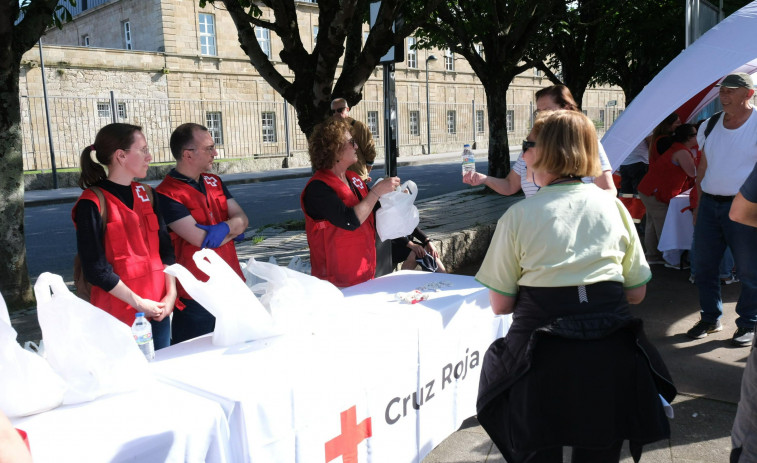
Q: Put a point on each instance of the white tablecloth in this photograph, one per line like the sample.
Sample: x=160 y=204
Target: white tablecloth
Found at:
x=159 y=423
x=405 y=375
x=678 y=231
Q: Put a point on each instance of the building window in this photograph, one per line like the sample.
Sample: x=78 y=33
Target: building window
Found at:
x=480 y=120
x=315 y=36
x=537 y=72
x=264 y=40
x=412 y=53
x=268 y=126
x=451 y=122
x=121 y=110
x=479 y=49
x=85 y=40
x=415 y=118
x=510 y=120
x=601 y=118
x=373 y=125
x=127 y=35
x=449 y=60
x=207 y=34
x=215 y=127
x=103 y=109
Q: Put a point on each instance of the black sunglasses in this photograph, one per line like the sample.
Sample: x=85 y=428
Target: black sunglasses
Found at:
x=528 y=144
x=339 y=110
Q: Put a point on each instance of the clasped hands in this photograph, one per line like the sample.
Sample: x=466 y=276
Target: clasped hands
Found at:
x=215 y=234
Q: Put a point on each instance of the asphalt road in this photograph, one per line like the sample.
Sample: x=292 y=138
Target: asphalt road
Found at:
x=51 y=243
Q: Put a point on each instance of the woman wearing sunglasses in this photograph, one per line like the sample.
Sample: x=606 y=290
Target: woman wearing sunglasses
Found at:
x=339 y=208
x=575 y=368
x=551 y=98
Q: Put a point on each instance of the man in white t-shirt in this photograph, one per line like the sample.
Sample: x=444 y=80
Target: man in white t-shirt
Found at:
x=729 y=153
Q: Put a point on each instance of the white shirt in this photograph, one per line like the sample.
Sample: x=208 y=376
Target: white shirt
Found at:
x=731 y=155
x=529 y=188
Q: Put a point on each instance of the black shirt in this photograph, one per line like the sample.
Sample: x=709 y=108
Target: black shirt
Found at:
x=322 y=203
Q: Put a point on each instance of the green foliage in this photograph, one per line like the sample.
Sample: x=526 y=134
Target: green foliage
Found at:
x=645 y=37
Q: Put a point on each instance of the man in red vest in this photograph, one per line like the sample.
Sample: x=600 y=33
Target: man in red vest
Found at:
x=200 y=213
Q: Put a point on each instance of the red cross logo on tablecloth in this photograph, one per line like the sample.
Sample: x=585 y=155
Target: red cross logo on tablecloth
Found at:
x=352 y=434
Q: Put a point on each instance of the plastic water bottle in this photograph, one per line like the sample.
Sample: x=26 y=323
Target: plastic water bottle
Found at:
x=142 y=331
x=469 y=162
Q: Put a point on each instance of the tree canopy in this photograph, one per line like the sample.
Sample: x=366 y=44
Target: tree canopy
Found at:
x=503 y=31
x=339 y=42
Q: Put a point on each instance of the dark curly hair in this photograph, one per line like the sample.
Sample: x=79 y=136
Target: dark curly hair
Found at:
x=325 y=142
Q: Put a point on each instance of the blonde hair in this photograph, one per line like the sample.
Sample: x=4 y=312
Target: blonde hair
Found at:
x=568 y=146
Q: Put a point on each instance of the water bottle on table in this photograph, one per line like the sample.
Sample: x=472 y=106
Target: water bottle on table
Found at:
x=142 y=331
x=469 y=161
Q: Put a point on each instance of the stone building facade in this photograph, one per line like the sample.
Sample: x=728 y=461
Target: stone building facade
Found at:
x=158 y=63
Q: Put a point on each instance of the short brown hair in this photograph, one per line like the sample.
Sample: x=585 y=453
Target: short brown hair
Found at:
x=183 y=136
x=561 y=95
x=325 y=142
x=568 y=146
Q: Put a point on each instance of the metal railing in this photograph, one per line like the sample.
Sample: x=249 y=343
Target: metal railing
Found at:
x=255 y=129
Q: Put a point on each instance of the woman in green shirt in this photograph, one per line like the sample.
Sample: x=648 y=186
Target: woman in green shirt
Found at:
x=575 y=368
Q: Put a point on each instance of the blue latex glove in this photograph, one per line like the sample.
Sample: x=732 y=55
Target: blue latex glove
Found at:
x=215 y=234
x=239 y=238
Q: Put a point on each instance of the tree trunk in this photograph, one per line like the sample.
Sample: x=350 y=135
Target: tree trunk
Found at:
x=499 y=149
x=14 y=275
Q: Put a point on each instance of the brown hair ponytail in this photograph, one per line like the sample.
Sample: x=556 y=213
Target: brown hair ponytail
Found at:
x=110 y=138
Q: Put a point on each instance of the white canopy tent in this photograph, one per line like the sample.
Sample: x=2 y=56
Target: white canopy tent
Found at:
x=731 y=46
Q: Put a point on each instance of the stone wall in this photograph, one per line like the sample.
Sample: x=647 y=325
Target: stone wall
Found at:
x=169 y=82
x=104 y=25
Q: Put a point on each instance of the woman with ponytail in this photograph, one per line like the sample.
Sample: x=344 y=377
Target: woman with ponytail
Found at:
x=124 y=257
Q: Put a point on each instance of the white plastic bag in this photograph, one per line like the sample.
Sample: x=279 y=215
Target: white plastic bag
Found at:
x=295 y=300
x=94 y=352
x=240 y=316
x=27 y=383
x=397 y=215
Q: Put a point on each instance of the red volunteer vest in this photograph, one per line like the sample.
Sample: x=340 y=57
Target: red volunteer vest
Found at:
x=132 y=248
x=343 y=257
x=208 y=209
x=664 y=179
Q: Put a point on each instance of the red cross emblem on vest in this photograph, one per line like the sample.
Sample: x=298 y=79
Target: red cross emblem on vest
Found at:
x=358 y=183
x=352 y=434
x=211 y=181
x=142 y=193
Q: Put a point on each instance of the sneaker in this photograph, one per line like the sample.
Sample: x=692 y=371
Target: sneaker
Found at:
x=703 y=328
x=730 y=280
x=743 y=337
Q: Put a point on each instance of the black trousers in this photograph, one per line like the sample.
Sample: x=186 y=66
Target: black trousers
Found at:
x=191 y=322
x=580 y=455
